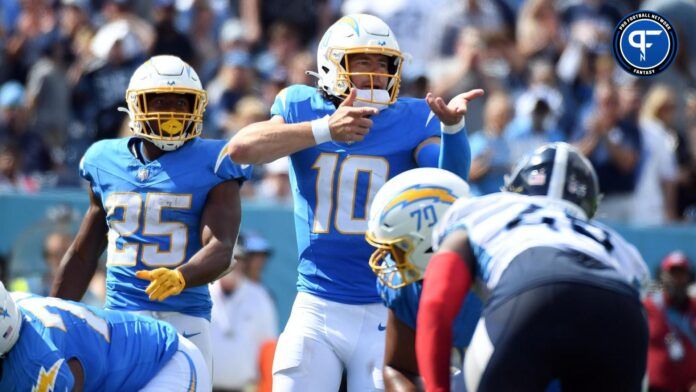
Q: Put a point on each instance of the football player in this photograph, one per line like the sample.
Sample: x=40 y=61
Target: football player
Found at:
x=164 y=203
x=345 y=139
x=50 y=344
x=561 y=290
x=401 y=219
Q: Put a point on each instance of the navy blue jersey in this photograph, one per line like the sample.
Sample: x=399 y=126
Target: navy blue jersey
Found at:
x=118 y=351
x=153 y=213
x=333 y=186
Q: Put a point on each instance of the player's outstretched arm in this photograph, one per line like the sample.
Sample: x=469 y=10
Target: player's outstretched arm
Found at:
x=80 y=261
x=400 y=369
x=447 y=281
x=454 y=153
x=219 y=228
x=266 y=141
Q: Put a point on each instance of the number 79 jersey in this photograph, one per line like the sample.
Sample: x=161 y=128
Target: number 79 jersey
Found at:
x=333 y=185
x=153 y=212
x=502 y=225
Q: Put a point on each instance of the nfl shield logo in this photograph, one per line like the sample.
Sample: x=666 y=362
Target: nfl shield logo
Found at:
x=143 y=174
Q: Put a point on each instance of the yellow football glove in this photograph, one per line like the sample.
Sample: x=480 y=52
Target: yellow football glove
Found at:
x=165 y=282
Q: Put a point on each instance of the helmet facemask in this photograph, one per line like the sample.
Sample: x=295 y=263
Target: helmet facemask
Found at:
x=391 y=261
x=375 y=96
x=168 y=130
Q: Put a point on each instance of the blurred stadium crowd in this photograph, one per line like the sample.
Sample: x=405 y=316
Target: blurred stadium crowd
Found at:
x=546 y=65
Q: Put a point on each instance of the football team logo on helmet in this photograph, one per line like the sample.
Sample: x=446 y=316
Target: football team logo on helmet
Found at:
x=402 y=216
x=560 y=172
x=644 y=43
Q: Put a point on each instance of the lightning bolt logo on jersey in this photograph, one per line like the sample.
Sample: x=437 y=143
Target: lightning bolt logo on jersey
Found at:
x=333 y=185
x=153 y=212
x=115 y=349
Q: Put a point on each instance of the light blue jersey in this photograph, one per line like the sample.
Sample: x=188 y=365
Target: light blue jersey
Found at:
x=333 y=185
x=154 y=212
x=404 y=303
x=118 y=351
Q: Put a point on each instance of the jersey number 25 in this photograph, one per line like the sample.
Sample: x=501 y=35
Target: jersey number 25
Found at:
x=123 y=250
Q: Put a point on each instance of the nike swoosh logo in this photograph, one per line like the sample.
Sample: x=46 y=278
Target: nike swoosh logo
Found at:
x=190 y=335
x=381 y=327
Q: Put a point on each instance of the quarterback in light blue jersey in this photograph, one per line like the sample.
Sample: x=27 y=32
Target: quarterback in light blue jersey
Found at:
x=345 y=139
x=402 y=218
x=165 y=204
x=50 y=344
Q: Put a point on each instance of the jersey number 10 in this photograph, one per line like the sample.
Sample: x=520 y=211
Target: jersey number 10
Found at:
x=345 y=196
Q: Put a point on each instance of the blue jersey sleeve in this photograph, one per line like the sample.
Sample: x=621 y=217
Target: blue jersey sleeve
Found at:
x=88 y=167
x=227 y=169
x=279 y=107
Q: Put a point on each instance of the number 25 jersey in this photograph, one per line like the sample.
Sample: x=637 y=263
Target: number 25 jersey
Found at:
x=333 y=185
x=502 y=225
x=153 y=212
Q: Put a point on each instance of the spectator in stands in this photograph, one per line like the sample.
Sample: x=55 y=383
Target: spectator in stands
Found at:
x=613 y=146
x=539 y=30
x=283 y=46
x=101 y=89
x=12 y=177
x=656 y=187
x=169 y=40
x=275 y=183
x=672 y=322
x=14 y=130
x=234 y=80
x=537 y=112
x=48 y=96
x=243 y=318
x=54 y=247
x=490 y=152
x=686 y=156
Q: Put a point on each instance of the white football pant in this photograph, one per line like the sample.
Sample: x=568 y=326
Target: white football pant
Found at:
x=195 y=329
x=321 y=338
x=186 y=371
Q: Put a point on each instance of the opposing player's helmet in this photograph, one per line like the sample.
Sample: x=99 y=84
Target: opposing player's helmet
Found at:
x=558 y=171
x=402 y=217
x=158 y=75
x=10 y=321
x=358 y=34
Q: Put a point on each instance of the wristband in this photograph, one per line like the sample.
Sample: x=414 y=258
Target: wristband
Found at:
x=320 y=130
x=455 y=128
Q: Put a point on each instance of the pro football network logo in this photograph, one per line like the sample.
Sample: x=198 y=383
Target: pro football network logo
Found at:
x=645 y=43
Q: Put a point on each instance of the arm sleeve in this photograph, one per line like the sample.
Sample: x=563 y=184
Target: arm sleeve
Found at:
x=453 y=153
x=447 y=280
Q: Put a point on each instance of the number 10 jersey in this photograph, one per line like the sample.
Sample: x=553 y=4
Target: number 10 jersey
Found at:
x=153 y=211
x=333 y=185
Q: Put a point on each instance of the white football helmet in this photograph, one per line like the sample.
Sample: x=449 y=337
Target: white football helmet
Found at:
x=10 y=321
x=402 y=217
x=358 y=34
x=165 y=74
